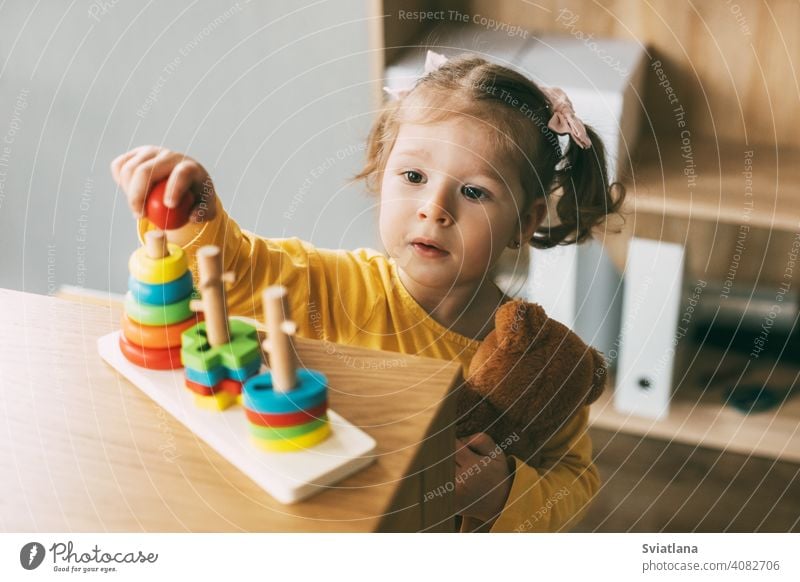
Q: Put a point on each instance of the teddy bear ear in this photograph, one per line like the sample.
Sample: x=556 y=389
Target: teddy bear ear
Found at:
x=599 y=377
x=519 y=319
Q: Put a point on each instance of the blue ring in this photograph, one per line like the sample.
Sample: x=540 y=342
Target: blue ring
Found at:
x=163 y=294
x=217 y=374
x=311 y=391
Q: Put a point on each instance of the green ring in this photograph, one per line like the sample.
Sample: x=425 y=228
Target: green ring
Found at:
x=286 y=432
x=157 y=314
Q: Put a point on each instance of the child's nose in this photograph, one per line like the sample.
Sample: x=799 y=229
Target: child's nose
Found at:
x=435 y=207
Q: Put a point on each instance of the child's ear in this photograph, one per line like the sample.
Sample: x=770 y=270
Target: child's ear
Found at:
x=531 y=220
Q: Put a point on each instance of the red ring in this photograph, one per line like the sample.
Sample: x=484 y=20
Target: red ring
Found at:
x=229 y=385
x=152 y=359
x=287 y=419
x=163 y=217
x=200 y=389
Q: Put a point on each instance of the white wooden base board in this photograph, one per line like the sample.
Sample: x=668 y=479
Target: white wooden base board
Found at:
x=289 y=477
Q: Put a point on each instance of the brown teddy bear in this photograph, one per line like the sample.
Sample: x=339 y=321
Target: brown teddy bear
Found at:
x=530 y=375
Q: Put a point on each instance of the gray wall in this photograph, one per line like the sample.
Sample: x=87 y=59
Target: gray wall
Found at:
x=273 y=98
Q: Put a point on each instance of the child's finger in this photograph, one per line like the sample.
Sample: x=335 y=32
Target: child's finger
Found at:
x=118 y=162
x=462 y=462
x=146 y=175
x=481 y=443
x=185 y=173
x=461 y=445
x=142 y=154
x=465 y=457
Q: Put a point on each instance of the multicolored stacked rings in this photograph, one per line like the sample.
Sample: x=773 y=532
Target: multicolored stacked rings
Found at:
x=215 y=374
x=157 y=308
x=287 y=421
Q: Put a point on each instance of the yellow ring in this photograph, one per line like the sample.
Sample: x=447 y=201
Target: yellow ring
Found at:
x=299 y=443
x=158 y=271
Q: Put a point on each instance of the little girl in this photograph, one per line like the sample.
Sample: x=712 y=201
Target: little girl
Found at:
x=464 y=164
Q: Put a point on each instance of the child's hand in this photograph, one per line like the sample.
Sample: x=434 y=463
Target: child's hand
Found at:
x=138 y=170
x=483 y=478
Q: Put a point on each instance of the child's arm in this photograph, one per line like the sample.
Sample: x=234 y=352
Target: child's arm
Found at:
x=553 y=497
x=255 y=261
x=500 y=493
x=330 y=292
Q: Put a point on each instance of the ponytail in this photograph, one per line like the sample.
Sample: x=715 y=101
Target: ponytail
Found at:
x=584 y=195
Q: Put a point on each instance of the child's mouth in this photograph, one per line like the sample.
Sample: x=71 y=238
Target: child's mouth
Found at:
x=428 y=251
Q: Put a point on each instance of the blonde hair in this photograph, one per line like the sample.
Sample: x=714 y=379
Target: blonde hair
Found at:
x=517 y=109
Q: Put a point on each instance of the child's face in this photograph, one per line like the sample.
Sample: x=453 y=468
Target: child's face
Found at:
x=444 y=182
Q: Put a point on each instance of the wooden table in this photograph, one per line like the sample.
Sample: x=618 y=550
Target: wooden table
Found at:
x=84 y=450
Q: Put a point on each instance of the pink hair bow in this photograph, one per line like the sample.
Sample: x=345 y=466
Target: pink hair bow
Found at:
x=433 y=61
x=564 y=120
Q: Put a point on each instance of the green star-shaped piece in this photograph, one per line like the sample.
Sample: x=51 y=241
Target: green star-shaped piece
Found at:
x=243 y=348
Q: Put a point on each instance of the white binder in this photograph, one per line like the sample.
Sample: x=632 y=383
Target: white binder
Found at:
x=649 y=339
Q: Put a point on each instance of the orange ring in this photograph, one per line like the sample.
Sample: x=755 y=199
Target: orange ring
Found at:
x=157 y=337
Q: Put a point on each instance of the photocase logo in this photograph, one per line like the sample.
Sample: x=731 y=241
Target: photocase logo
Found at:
x=31 y=555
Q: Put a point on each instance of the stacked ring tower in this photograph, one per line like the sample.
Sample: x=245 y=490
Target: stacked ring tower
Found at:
x=218 y=354
x=157 y=305
x=286 y=407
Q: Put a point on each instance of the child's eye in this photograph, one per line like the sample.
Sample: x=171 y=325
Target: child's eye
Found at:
x=474 y=193
x=413 y=177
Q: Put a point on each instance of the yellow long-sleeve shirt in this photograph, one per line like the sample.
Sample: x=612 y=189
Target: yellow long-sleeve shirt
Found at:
x=355 y=297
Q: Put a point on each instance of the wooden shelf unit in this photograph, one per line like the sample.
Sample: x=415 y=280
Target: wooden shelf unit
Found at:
x=719 y=193
x=706 y=218
x=700 y=417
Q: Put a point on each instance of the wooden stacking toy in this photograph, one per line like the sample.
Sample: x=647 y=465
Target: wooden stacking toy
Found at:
x=219 y=354
x=284 y=437
x=287 y=407
x=157 y=305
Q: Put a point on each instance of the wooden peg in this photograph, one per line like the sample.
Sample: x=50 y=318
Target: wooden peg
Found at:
x=155 y=244
x=212 y=295
x=279 y=344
